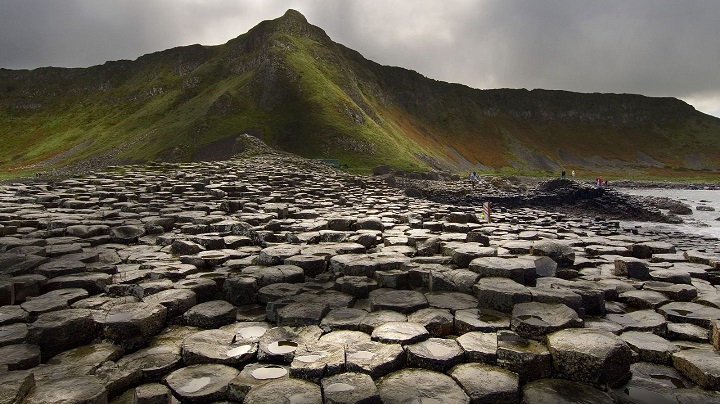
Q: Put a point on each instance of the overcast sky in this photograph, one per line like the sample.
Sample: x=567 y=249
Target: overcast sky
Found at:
x=651 y=47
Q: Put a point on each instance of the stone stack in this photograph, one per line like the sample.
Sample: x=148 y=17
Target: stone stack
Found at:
x=273 y=277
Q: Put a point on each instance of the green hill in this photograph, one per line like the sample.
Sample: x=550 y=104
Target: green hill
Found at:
x=288 y=83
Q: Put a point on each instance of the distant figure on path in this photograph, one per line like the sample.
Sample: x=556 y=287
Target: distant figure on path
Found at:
x=563 y=174
x=572 y=174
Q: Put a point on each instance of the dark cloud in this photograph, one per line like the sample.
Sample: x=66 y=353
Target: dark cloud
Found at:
x=652 y=47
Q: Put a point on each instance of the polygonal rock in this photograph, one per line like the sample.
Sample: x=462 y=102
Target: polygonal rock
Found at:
x=518 y=269
x=479 y=346
x=693 y=313
x=358 y=286
x=485 y=320
x=13 y=314
x=94 y=283
x=201 y=383
x=643 y=299
x=177 y=301
x=558 y=391
x=278 y=391
x=632 y=268
x=529 y=359
x=650 y=347
x=460 y=280
x=648 y=249
x=133 y=324
x=126 y=234
x=563 y=296
x=279 y=344
x=84 y=389
x=151 y=393
x=19 y=356
x=366 y=264
x=302 y=313
x=345 y=337
x=486 y=383
x=451 y=300
x=404 y=301
x=212 y=314
x=14 y=386
x=217 y=346
x=562 y=254
x=374 y=358
x=675 y=292
x=13 y=333
x=500 y=294
x=437 y=322
x=277 y=254
x=590 y=356
x=640 y=320
x=377 y=318
x=434 y=354
x=350 y=388
x=313 y=362
x=400 y=333
x=699 y=365
x=152 y=363
x=416 y=385
x=57 y=331
x=240 y=290
x=275 y=274
x=467 y=252
x=312 y=265
x=254 y=375
x=344 y=318
x=534 y=320
x=687 y=332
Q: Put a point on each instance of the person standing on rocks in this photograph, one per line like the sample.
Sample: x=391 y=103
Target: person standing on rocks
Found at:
x=572 y=174
x=562 y=175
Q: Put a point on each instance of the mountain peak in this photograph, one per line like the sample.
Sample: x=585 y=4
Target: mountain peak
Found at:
x=294 y=15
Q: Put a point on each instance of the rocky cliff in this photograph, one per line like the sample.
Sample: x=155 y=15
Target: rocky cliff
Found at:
x=288 y=83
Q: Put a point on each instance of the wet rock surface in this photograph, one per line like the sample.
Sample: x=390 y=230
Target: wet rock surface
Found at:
x=276 y=277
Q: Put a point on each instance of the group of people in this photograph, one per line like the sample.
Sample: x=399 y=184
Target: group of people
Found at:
x=599 y=181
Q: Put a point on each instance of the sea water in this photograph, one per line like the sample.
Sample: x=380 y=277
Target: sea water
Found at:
x=700 y=222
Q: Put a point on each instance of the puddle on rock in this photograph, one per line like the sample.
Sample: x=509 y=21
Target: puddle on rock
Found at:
x=239 y=350
x=677 y=383
x=269 y=372
x=339 y=388
x=681 y=312
x=532 y=319
x=642 y=395
x=282 y=347
x=252 y=332
x=309 y=358
x=361 y=355
x=196 y=384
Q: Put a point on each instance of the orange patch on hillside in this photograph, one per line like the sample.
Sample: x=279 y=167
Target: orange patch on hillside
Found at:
x=477 y=147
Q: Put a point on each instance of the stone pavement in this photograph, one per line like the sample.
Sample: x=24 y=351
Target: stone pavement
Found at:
x=275 y=279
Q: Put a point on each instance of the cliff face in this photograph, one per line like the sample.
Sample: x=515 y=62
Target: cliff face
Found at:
x=287 y=82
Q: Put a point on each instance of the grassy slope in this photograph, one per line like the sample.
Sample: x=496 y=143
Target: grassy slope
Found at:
x=326 y=101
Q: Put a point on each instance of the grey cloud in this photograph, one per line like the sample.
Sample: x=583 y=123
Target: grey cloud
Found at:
x=652 y=47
